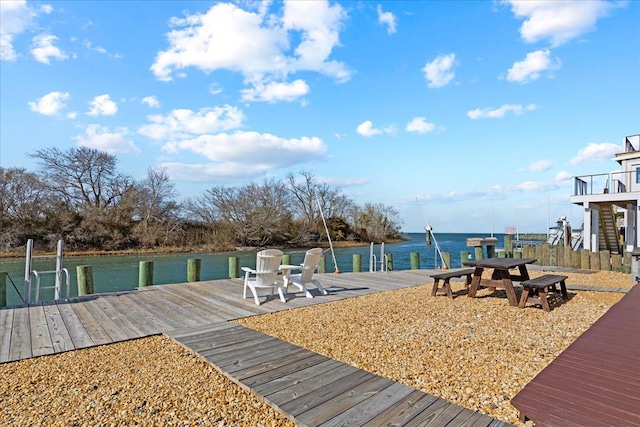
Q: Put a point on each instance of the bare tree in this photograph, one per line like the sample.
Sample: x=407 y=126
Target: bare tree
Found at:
x=156 y=209
x=257 y=214
x=84 y=177
x=378 y=221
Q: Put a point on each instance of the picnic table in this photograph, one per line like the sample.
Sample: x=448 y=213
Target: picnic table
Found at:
x=501 y=277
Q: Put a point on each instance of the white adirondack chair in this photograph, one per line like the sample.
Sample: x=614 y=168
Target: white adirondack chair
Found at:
x=308 y=267
x=264 y=275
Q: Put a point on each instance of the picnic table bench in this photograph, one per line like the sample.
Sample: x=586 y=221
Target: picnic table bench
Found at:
x=536 y=290
x=447 y=276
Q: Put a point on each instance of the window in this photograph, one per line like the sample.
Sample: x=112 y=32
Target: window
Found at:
x=638 y=175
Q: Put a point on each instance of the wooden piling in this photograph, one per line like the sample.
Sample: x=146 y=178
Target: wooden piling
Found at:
x=594 y=260
x=508 y=246
x=585 y=259
x=576 y=260
x=517 y=254
x=415 y=260
x=605 y=260
x=446 y=259
x=3 y=288
x=193 y=269
x=478 y=252
x=554 y=255
x=85 y=279
x=234 y=267
x=322 y=264
x=491 y=251
x=145 y=274
x=546 y=254
x=286 y=259
x=616 y=262
x=464 y=257
x=357 y=263
x=389 y=262
x=568 y=256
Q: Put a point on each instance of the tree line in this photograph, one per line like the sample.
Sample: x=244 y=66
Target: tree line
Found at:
x=80 y=196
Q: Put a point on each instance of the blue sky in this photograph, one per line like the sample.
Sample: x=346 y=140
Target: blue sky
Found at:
x=481 y=110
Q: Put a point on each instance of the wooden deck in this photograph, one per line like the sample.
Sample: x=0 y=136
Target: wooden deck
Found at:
x=596 y=380
x=310 y=389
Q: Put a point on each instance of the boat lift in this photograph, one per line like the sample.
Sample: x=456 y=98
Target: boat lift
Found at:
x=30 y=275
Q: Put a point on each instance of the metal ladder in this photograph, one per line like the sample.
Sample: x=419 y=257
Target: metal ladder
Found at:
x=30 y=274
x=373 y=260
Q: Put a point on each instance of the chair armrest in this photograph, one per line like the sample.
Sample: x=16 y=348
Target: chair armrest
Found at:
x=248 y=270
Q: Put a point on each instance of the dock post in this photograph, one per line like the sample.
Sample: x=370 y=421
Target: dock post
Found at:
x=605 y=260
x=415 y=260
x=594 y=260
x=616 y=263
x=464 y=257
x=322 y=264
x=357 y=263
x=585 y=259
x=446 y=260
x=478 y=252
x=234 y=267
x=389 y=262
x=491 y=251
x=508 y=246
x=145 y=274
x=3 y=288
x=193 y=269
x=286 y=260
x=85 y=280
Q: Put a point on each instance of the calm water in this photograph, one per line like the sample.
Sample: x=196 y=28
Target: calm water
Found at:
x=120 y=272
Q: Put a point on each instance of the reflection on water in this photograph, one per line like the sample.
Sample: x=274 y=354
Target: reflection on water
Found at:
x=120 y=272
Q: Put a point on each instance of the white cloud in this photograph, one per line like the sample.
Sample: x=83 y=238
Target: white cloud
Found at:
x=438 y=72
x=50 y=104
x=258 y=45
x=102 y=105
x=46 y=8
x=241 y=155
x=366 y=129
x=558 y=21
x=563 y=176
x=388 y=19
x=419 y=125
x=595 y=152
x=273 y=91
x=114 y=142
x=183 y=123
x=15 y=18
x=538 y=166
x=43 y=49
x=151 y=101
x=215 y=89
x=532 y=66
x=498 y=113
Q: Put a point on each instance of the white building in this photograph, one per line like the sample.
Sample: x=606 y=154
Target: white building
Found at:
x=611 y=202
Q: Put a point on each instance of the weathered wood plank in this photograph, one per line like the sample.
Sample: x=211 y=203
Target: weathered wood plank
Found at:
x=20 y=344
x=200 y=313
x=60 y=337
x=114 y=332
x=318 y=396
x=342 y=402
x=144 y=316
x=6 y=326
x=276 y=380
x=78 y=333
x=40 y=338
x=258 y=360
x=309 y=385
x=440 y=413
x=404 y=411
x=295 y=365
x=94 y=329
x=202 y=331
x=362 y=412
x=112 y=307
x=230 y=345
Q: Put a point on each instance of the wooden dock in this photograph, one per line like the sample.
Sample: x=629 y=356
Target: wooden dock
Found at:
x=596 y=380
x=308 y=388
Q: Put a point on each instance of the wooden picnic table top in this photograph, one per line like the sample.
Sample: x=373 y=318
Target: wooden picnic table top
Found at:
x=500 y=263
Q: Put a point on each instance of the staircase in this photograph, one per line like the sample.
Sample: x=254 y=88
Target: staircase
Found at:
x=608 y=237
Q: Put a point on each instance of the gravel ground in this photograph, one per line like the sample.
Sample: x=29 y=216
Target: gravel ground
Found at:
x=476 y=353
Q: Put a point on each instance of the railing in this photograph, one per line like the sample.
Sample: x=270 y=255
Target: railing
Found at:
x=614 y=182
